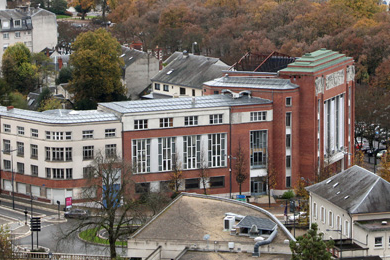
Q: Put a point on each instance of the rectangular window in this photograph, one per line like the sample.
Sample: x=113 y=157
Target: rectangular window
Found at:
x=48 y=135
x=57 y=153
x=288 y=119
x=166 y=122
x=34 y=170
x=20 y=147
x=110 y=132
x=17 y=23
x=142 y=187
x=141 y=124
x=288 y=161
x=330 y=218
x=156 y=86
x=5 y=46
x=68 y=153
x=216 y=92
x=217 y=182
x=47 y=151
x=288 y=101
x=48 y=173
x=378 y=242
x=190 y=120
x=217 y=150
x=7 y=164
x=20 y=130
x=87 y=172
x=346 y=228
x=34 y=133
x=315 y=210
x=182 y=91
x=110 y=150
x=258 y=116
x=34 y=151
x=20 y=167
x=288 y=140
x=166 y=153
x=58 y=173
x=17 y=34
x=191 y=152
x=193 y=92
x=166 y=87
x=5 y=35
x=288 y=181
x=192 y=183
x=6 y=146
x=87 y=134
x=69 y=173
x=258 y=144
x=7 y=128
x=57 y=135
x=141 y=155
x=215 y=119
x=88 y=152
x=323 y=214
x=68 y=135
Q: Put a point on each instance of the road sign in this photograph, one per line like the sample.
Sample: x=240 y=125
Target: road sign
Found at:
x=35 y=224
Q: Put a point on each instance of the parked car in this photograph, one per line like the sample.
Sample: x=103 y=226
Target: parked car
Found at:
x=371 y=152
x=297 y=216
x=381 y=153
x=77 y=213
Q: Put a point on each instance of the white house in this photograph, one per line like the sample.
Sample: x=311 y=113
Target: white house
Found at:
x=354 y=205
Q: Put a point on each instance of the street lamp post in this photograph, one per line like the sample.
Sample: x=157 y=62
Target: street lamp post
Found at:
x=341 y=238
x=12 y=174
x=193 y=47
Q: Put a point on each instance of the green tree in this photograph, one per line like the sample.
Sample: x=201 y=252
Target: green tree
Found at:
x=50 y=104
x=44 y=67
x=4 y=92
x=97 y=69
x=18 y=100
x=17 y=69
x=311 y=246
x=43 y=96
x=58 y=6
x=65 y=75
x=5 y=244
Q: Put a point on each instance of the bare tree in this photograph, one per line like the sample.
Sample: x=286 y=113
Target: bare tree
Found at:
x=176 y=175
x=240 y=166
x=109 y=187
x=271 y=180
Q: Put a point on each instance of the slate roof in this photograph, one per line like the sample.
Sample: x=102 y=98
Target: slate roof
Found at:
x=202 y=102
x=251 y=82
x=59 y=116
x=355 y=190
x=129 y=56
x=14 y=14
x=261 y=223
x=190 y=70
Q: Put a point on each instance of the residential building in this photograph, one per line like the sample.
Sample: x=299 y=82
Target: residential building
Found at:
x=36 y=28
x=184 y=74
x=313 y=114
x=352 y=205
x=49 y=152
x=139 y=68
x=196 y=226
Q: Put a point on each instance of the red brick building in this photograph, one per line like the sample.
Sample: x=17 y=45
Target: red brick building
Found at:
x=313 y=113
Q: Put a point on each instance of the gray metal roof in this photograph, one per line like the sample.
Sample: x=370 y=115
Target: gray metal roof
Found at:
x=261 y=223
x=251 y=82
x=203 y=102
x=129 y=56
x=190 y=70
x=355 y=190
x=59 y=116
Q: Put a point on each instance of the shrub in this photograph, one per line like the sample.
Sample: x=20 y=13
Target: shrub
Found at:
x=288 y=194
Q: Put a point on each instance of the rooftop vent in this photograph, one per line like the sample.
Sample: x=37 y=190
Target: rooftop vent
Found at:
x=335 y=185
x=169 y=72
x=329 y=181
x=346 y=197
x=384 y=223
x=338 y=193
x=122 y=55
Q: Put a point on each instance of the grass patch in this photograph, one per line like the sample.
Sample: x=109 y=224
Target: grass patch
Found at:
x=90 y=235
x=61 y=16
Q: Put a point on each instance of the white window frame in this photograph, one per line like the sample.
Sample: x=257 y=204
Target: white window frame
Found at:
x=34 y=151
x=323 y=214
x=191 y=151
x=5 y=35
x=330 y=218
x=216 y=119
x=110 y=150
x=258 y=146
x=87 y=134
x=19 y=25
x=7 y=128
x=34 y=133
x=191 y=120
x=258 y=116
x=20 y=130
x=140 y=124
x=288 y=101
x=88 y=152
x=34 y=170
x=217 y=150
x=346 y=228
x=17 y=34
x=166 y=153
x=166 y=122
x=111 y=132
x=141 y=155
x=378 y=245
x=315 y=210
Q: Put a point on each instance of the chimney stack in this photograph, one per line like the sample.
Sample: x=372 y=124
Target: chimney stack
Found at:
x=9 y=108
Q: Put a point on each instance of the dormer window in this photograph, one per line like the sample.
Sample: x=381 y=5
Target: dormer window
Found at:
x=5 y=24
x=17 y=23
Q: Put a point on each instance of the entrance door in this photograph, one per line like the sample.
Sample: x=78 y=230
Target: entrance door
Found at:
x=258 y=186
